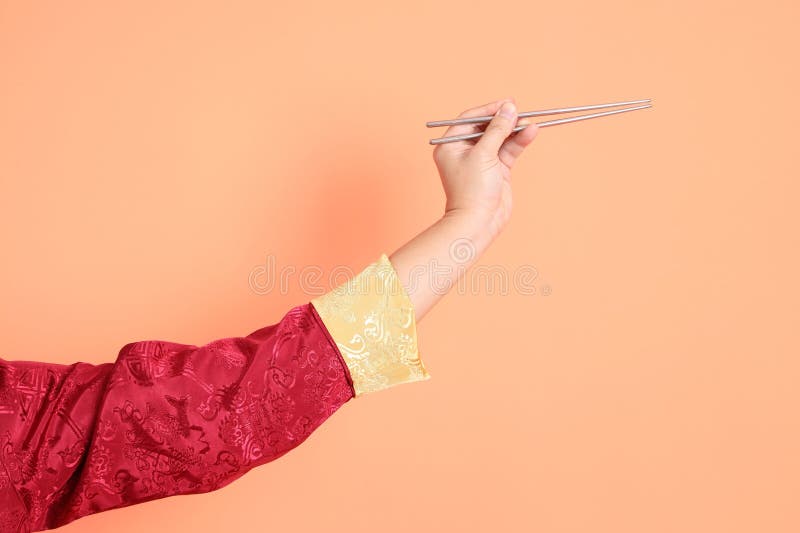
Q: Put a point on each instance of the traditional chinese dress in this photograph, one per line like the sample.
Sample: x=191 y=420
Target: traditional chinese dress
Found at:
x=167 y=419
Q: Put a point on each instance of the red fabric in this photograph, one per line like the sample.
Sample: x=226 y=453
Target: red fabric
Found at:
x=163 y=419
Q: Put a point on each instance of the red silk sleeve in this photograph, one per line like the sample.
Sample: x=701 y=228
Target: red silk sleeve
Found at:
x=164 y=419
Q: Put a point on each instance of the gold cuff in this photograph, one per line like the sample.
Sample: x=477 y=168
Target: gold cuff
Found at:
x=371 y=319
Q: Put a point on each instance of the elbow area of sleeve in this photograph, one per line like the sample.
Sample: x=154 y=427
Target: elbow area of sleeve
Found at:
x=371 y=319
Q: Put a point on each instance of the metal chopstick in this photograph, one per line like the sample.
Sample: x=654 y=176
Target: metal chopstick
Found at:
x=544 y=124
x=556 y=111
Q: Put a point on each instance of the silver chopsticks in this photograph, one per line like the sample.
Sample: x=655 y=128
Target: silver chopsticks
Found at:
x=556 y=111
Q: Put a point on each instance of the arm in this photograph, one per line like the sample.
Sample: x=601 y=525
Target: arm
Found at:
x=166 y=419
x=477 y=181
x=378 y=340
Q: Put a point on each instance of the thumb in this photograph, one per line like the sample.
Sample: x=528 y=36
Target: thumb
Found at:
x=498 y=129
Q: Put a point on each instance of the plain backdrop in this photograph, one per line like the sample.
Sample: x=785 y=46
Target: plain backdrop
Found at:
x=154 y=154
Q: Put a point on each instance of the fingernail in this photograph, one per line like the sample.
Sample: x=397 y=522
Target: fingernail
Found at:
x=508 y=110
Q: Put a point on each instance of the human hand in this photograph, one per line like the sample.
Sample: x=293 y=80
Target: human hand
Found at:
x=477 y=175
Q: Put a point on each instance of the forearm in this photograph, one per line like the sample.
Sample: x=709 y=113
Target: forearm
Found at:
x=432 y=262
x=166 y=419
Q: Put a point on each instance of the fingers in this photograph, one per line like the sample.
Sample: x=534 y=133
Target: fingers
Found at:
x=514 y=146
x=498 y=129
x=462 y=129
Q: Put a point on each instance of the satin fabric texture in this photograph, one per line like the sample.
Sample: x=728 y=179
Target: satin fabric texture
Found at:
x=168 y=419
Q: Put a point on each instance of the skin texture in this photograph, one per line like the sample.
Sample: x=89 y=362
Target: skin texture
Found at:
x=476 y=177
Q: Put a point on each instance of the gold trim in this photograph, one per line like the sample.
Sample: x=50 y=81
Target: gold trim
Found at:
x=372 y=320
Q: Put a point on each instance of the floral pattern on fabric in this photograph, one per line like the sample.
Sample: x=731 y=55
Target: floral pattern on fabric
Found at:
x=371 y=318
x=164 y=419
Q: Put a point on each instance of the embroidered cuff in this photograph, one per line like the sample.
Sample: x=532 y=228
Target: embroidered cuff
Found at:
x=371 y=319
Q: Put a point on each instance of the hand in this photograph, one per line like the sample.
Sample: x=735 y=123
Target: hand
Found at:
x=477 y=181
x=477 y=175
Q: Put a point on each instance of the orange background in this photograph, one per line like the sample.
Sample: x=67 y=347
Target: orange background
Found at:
x=152 y=155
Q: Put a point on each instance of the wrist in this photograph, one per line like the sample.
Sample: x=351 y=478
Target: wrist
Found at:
x=472 y=216
x=474 y=225
x=476 y=219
